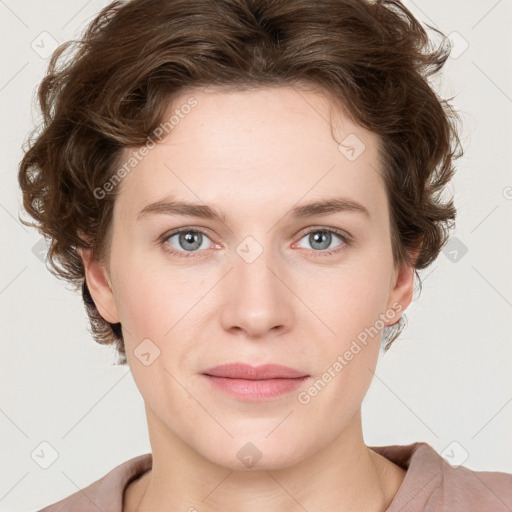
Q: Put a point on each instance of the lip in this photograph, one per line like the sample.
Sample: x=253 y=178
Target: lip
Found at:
x=248 y=372
x=255 y=383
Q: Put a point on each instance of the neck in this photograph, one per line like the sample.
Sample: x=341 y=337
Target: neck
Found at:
x=344 y=475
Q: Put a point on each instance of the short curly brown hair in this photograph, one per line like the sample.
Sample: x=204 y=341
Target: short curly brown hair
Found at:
x=373 y=58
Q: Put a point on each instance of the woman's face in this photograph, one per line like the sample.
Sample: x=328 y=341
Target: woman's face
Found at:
x=260 y=284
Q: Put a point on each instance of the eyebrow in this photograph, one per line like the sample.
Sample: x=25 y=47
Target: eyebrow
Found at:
x=310 y=209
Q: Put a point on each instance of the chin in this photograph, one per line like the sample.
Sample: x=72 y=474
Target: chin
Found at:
x=257 y=453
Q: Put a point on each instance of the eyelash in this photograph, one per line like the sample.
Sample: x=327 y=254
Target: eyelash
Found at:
x=347 y=241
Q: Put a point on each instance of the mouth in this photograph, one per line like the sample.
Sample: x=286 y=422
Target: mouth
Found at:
x=248 y=372
x=250 y=383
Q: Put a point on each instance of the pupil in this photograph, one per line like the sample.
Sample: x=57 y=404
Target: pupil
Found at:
x=319 y=236
x=191 y=238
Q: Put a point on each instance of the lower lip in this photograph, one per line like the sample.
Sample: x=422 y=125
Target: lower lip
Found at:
x=256 y=390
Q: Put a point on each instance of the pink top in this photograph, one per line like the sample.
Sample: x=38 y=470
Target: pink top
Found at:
x=430 y=484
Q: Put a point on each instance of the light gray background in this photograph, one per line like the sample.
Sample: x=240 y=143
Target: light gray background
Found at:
x=447 y=379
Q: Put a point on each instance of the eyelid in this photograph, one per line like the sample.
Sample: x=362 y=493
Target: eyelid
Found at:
x=337 y=231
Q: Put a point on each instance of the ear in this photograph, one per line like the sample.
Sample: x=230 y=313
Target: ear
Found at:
x=402 y=287
x=99 y=285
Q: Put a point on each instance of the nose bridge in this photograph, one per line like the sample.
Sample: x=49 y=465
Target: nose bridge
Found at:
x=253 y=263
x=258 y=299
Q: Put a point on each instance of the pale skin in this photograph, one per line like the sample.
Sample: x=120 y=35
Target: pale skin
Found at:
x=254 y=155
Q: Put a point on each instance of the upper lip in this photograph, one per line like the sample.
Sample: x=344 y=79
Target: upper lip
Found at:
x=246 y=371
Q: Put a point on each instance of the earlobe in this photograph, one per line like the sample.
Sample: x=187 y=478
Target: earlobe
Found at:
x=99 y=285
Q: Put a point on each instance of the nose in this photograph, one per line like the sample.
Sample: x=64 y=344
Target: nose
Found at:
x=259 y=301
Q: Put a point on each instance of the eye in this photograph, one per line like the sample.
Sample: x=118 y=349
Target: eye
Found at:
x=186 y=240
x=321 y=239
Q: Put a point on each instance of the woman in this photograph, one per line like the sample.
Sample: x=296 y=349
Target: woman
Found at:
x=245 y=191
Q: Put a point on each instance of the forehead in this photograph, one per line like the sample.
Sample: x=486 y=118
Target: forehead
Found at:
x=255 y=147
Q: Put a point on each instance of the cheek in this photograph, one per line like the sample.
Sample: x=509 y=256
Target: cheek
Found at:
x=353 y=299
x=148 y=302
x=346 y=359
x=155 y=341
x=347 y=299
x=141 y=306
x=158 y=309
